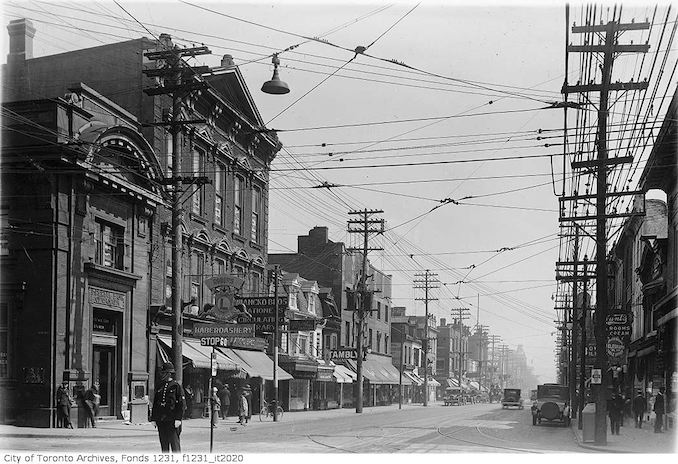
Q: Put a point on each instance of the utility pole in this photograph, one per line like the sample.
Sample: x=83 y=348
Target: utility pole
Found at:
x=573 y=327
x=480 y=331
x=494 y=339
x=178 y=82
x=363 y=301
x=462 y=313
x=276 y=343
x=582 y=349
x=504 y=354
x=428 y=283
x=609 y=49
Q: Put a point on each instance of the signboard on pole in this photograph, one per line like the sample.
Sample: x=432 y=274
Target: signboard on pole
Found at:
x=615 y=347
x=596 y=376
x=302 y=325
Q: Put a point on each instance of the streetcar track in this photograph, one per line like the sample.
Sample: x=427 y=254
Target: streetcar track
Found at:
x=521 y=450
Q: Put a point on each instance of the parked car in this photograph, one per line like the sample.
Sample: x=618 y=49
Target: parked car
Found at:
x=452 y=397
x=511 y=398
x=551 y=404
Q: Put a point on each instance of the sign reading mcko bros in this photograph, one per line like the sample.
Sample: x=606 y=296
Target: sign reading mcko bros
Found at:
x=261 y=311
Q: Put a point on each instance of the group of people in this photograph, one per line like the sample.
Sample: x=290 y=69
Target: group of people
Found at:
x=617 y=405
x=170 y=406
x=65 y=401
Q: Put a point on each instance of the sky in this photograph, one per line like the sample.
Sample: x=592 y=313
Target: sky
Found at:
x=413 y=130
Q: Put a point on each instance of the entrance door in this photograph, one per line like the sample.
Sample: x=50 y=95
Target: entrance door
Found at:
x=103 y=370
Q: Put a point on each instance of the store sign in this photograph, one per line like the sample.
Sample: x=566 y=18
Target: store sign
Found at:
x=261 y=312
x=615 y=347
x=596 y=376
x=325 y=375
x=302 y=325
x=618 y=326
x=107 y=298
x=349 y=353
x=224 y=280
x=223 y=330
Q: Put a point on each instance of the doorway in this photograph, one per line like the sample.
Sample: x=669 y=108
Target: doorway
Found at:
x=103 y=370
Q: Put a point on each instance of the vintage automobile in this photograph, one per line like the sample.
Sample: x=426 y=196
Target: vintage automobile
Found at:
x=551 y=404
x=452 y=397
x=511 y=398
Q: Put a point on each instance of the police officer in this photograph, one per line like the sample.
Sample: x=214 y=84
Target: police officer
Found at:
x=169 y=404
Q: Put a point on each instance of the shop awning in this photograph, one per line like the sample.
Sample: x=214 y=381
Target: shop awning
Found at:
x=200 y=356
x=433 y=383
x=378 y=370
x=256 y=363
x=343 y=374
x=413 y=378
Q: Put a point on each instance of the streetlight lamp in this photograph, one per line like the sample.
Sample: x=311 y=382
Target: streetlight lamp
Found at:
x=275 y=86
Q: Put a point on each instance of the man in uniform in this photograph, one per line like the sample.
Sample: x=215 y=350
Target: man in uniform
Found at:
x=169 y=404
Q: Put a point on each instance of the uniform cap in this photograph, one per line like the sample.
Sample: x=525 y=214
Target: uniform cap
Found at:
x=167 y=367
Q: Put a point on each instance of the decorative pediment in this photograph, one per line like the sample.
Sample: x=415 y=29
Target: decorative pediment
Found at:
x=244 y=163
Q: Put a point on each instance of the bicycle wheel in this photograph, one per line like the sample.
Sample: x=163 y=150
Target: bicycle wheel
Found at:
x=280 y=412
x=263 y=414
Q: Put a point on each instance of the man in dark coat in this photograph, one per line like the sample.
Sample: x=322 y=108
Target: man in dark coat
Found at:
x=225 y=398
x=659 y=410
x=614 y=413
x=169 y=404
x=639 y=408
x=63 y=404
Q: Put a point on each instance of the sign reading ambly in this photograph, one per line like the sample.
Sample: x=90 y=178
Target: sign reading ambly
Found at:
x=348 y=353
x=224 y=330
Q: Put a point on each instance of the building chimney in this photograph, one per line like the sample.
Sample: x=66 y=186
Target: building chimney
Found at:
x=21 y=33
x=227 y=61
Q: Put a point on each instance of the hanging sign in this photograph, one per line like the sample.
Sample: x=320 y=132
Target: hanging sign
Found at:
x=596 y=376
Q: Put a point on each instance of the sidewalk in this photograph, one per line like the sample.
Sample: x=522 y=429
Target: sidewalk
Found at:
x=121 y=429
x=632 y=440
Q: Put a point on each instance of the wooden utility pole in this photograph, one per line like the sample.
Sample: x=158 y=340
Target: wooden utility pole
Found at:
x=426 y=284
x=573 y=328
x=462 y=313
x=494 y=339
x=582 y=349
x=480 y=331
x=609 y=49
x=179 y=80
x=361 y=294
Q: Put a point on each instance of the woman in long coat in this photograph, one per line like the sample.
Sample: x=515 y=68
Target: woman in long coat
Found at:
x=243 y=409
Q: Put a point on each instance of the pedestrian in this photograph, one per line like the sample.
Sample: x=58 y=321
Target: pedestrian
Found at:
x=225 y=397
x=639 y=408
x=215 y=405
x=613 y=413
x=92 y=399
x=659 y=410
x=169 y=404
x=243 y=409
x=64 y=401
x=188 y=393
x=620 y=401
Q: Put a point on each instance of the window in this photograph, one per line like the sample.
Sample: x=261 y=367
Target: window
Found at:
x=333 y=341
x=386 y=313
x=347 y=334
x=311 y=303
x=255 y=279
x=198 y=169
x=378 y=309
x=110 y=245
x=387 y=347
x=293 y=299
x=219 y=194
x=196 y=276
x=378 y=341
x=237 y=205
x=369 y=339
x=256 y=214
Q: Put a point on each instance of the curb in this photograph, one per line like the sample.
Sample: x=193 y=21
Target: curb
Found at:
x=600 y=449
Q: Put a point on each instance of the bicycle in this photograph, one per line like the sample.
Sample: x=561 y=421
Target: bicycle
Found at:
x=267 y=411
